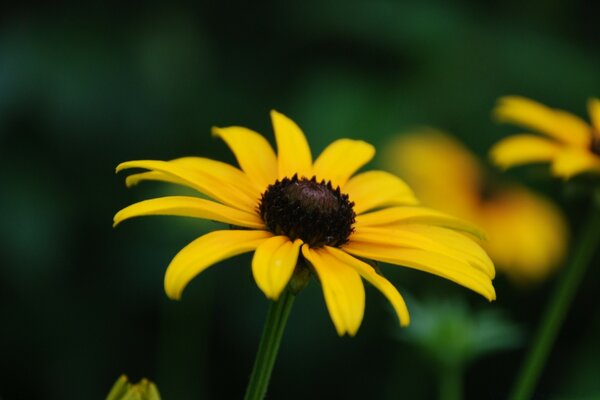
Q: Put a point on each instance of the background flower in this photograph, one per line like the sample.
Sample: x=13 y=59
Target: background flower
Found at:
x=526 y=233
x=125 y=390
x=572 y=146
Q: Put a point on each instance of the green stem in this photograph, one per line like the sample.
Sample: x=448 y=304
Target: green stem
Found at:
x=268 y=347
x=557 y=307
x=451 y=386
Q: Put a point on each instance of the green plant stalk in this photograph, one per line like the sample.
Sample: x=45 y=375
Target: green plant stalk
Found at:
x=269 y=346
x=557 y=307
x=451 y=385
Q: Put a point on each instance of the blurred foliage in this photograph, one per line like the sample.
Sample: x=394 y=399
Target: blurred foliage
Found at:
x=84 y=86
x=452 y=335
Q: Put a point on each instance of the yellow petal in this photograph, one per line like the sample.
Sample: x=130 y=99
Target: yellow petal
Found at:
x=558 y=124
x=523 y=149
x=134 y=179
x=203 y=182
x=273 y=264
x=293 y=152
x=594 y=111
x=459 y=272
x=342 y=288
x=341 y=159
x=575 y=160
x=429 y=238
x=253 y=153
x=205 y=252
x=458 y=245
x=374 y=189
x=399 y=216
x=216 y=170
x=190 y=207
x=382 y=284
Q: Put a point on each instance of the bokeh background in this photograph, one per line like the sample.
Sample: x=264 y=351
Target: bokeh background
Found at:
x=84 y=86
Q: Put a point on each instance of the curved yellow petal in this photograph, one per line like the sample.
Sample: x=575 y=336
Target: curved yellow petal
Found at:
x=575 y=160
x=457 y=244
x=594 y=111
x=429 y=238
x=273 y=264
x=194 y=207
x=558 y=124
x=253 y=153
x=205 y=252
x=343 y=290
x=375 y=189
x=134 y=179
x=203 y=182
x=293 y=152
x=216 y=170
x=523 y=149
x=459 y=272
x=400 y=216
x=382 y=284
x=341 y=159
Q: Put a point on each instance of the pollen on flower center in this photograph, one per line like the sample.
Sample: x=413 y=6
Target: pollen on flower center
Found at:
x=312 y=211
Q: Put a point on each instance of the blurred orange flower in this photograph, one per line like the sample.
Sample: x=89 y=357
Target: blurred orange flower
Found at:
x=526 y=233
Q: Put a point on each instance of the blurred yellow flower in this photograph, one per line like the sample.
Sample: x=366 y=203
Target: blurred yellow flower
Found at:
x=289 y=209
x=573 y=146
x=123 y=389
x=526 y=234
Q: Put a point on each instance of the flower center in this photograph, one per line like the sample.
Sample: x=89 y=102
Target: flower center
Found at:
x=595 y=145
x=306 y=209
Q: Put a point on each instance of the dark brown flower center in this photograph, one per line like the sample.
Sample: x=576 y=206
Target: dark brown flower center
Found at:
x=312 y=211
x=595 y=145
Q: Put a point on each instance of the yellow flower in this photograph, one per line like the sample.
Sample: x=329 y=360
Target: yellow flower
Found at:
x=573 y=146
x=125 y=390
x=526 y=234
x=287 y=208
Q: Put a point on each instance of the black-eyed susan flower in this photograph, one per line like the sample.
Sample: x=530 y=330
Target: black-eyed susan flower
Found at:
x=572 y=146
x=287 y=207
x=526 y=233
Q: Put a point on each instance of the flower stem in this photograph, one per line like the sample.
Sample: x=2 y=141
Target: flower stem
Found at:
x=451 y=383
x=558 y=306
x=269 y=345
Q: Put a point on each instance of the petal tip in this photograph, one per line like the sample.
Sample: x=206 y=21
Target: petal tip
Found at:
x=492 y=295
x=131 y=181
x=340 y=332
x=173 y=294
x=215 y=131
x=269 y=293
x=120 y=167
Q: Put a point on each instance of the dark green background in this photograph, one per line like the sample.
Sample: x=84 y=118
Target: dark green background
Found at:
x=86 y=86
